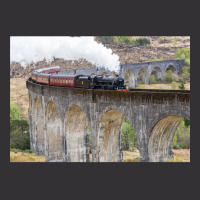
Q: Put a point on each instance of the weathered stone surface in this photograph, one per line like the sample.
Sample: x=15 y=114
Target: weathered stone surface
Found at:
x=64 y=113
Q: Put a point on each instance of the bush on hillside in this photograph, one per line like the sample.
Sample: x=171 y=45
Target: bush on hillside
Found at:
x=125 y=40
x=155 y=59
x=184 y=54
x=152 y=79
x=142 y=41
x=168 y=76
x=182 y=86
x=161 y=40
x=14 y=112
x=175 y=41
x=174 y=85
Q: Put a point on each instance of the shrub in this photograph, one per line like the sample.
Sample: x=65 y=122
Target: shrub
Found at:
x=155 y=59
x=175 y=41
x=152 y=79
x=168 y=76
x=28 y=151
x=14 y=111
x=161 y=40
x=18 y=139
x=174 y=85
x=116 y=39
x=183 y=135
x=182 y=86
x=184 y=54
x=128 y=136
x=169 y=40
x=176 y=146
x=142 y=41
x=185 y=73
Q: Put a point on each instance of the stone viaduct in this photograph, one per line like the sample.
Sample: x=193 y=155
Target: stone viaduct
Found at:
x=145 y=70
x=59 y=118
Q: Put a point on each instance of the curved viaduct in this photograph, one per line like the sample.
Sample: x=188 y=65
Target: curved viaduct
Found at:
x=133 y=70
x=59 y=118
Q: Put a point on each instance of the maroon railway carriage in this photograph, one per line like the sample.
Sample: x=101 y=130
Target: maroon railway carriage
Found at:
x=42 y=75
x=64 y=80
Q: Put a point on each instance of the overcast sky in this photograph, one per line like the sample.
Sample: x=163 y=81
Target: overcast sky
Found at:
x=28 y=49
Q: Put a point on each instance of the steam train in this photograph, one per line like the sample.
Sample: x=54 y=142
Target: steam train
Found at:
x=53 y=76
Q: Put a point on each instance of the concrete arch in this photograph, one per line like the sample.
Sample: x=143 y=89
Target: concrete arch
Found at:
x=79 y=104
x=130 y=76
x=108 y=137
x=157 y=71
x=75 y=128
x=143 y=75
x=39 y=128
x=160 y=141
x=172 y=68
x=54 y=134
x=113 y=107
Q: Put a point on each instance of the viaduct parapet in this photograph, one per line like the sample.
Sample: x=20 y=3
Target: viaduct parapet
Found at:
x=60 y=116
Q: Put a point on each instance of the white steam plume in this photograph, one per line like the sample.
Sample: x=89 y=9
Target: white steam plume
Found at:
x=27 y=49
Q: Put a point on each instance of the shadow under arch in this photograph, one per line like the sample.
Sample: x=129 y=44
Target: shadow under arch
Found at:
x=54 y=134
x=143 y=76
x=39 y=128
x=172 y=68
x=92 y=74
x=75 y=128
x=157 y=72
x=129 y=78
x=161 y=137
x=109 y=133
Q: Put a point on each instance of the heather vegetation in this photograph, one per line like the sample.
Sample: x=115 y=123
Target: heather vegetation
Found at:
x=125 y=40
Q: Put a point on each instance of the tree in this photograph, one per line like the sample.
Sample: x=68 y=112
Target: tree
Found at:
x=152 y=79
x=184 y=54
x=174 y=85
x=18 y=138
x=168 y=76
x=14 y=112
x=128 y=136
x=182 y=86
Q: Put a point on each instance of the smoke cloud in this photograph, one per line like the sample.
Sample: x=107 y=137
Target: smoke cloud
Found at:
x=33 y=49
